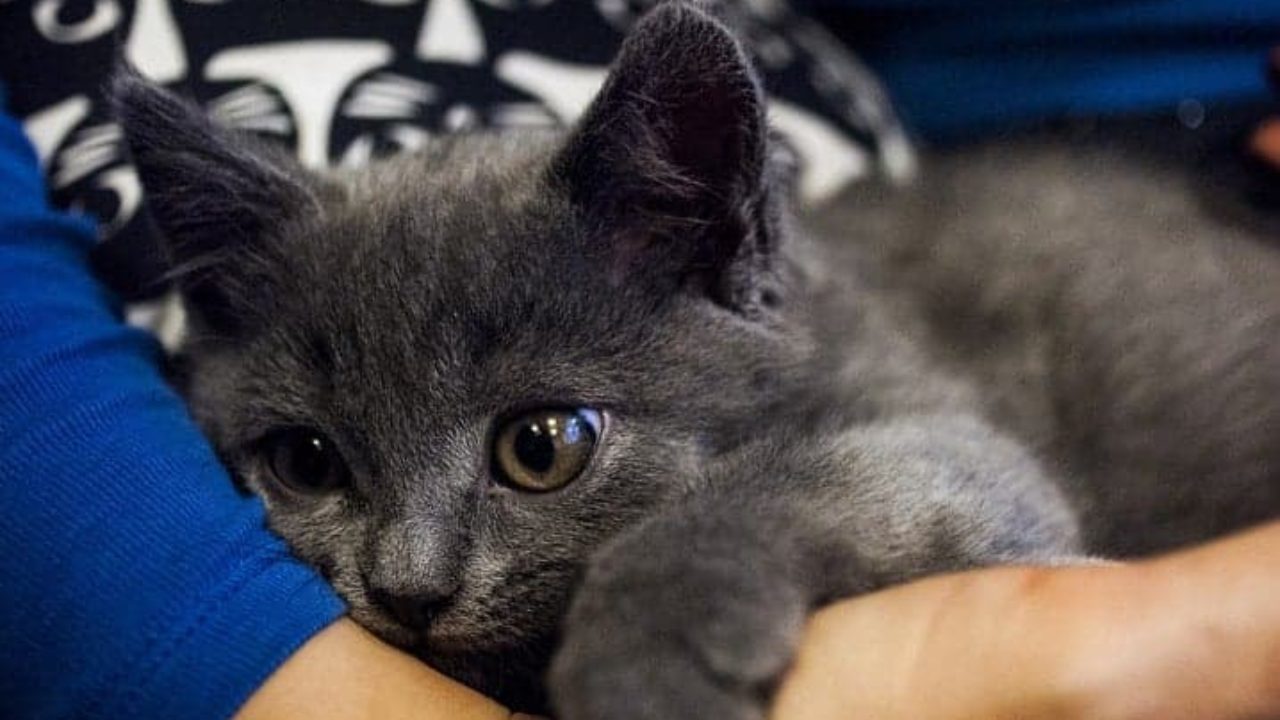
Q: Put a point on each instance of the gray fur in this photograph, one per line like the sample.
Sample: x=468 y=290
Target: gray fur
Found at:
x=1039 y=352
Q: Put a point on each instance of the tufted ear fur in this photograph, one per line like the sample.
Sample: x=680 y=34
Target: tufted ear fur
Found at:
x=216 y=196
x=669 y=162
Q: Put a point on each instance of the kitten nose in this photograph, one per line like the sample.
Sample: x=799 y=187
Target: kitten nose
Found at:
x=413 y=610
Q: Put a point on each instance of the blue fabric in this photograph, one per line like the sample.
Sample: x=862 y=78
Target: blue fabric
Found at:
x=134 y=581
x=959 y=68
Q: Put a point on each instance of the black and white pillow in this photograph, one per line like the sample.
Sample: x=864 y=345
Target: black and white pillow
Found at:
x=342 y=81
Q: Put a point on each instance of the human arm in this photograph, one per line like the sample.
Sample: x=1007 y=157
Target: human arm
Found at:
x=136 y=582
x=1192 y=635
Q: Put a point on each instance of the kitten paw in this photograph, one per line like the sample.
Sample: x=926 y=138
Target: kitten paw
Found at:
x=660 y=637
x=655 y=686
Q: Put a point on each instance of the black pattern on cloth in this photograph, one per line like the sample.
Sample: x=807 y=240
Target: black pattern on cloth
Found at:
x=343 y=81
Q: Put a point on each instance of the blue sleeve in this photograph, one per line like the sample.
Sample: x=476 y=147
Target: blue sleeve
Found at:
x=135 y=582
x=959 y=69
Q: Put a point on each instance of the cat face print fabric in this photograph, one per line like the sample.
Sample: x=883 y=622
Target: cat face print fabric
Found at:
x=341 y=82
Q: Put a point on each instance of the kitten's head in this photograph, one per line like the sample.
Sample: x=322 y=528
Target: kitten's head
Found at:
x=454 y=375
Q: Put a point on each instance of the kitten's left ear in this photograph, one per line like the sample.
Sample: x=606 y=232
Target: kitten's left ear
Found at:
x=216 y=197
x=671 y=156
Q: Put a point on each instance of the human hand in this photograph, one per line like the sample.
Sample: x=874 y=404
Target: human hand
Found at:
x=1192 y=635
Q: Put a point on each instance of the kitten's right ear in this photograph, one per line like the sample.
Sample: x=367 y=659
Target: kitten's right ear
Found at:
x=216 y=196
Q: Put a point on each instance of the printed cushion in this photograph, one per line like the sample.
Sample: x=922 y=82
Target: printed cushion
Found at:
x=345 y=81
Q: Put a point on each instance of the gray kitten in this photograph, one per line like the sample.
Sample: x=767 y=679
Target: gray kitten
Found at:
x=595 y=403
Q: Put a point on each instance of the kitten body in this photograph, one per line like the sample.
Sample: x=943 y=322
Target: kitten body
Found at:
x=1041 y=351
x=1105 y=306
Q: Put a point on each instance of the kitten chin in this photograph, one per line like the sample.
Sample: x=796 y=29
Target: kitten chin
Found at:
x=513 y=677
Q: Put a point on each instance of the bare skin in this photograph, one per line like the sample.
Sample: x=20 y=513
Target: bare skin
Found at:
x=344 y=672
x=1195 y=634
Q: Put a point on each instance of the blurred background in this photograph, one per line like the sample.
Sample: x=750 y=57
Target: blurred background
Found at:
x=856 y=85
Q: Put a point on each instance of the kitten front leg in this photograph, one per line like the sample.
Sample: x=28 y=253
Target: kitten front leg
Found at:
x=695 y=613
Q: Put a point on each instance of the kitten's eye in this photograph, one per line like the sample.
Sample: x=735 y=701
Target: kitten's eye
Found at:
x=306 y=461
x=546 y=449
